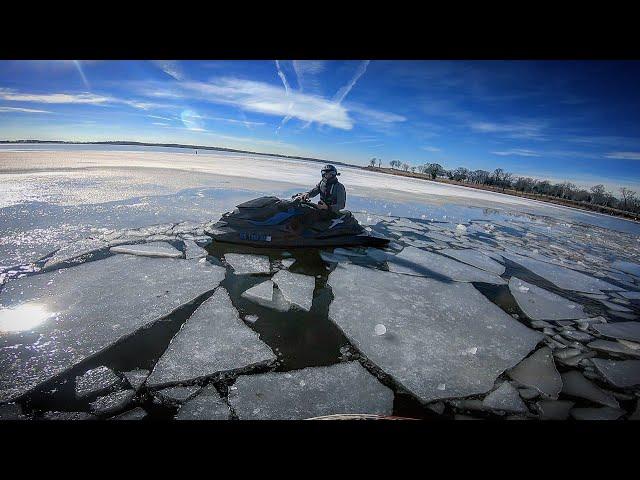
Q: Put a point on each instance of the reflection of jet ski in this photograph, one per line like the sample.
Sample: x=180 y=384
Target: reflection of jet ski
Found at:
x=272 y=222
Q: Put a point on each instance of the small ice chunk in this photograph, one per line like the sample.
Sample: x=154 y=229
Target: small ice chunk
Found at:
x=505 y=398
x=11 y=411
x=136 y=378
x=66 y=416
x=620 y=330
x=112 y=403
x=613 y=347
x=177 y=394
x=193 y=250
x=332 y=258
x=311 y=392
x=74 y=250
x=628 y=267
x=137 y=413
x=153 y=249
x=437 y=407
x=576 y=385
x=296 y=288
x=260 y=293
x=475 y=258
x=614 y=306
x=251 y=318
x=528 y=393
x=413 y=261
x=245 y=263
x=211 y=341
x=287 y=262
x=631 y=295
x=621 y=373
x=539 y=304
x=95 y=381
x=380 y=329
x=207 y=405
x=577 y=336
x=347 y=252
x=601 y=413
x=554 y=409
x=539 y=371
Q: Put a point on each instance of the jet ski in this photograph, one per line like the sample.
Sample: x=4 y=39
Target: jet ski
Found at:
x=274 y=222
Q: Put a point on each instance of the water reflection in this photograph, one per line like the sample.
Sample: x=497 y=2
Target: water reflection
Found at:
x=23 y=317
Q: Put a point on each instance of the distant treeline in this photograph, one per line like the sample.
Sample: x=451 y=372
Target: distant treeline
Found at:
x=500 y=179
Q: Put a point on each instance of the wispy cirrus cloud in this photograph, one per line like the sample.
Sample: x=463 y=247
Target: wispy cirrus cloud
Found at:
x=623 y=155
x=519 y=152
x=528 y=130
x=171 y=68
x=22 y=110
x=431 y=149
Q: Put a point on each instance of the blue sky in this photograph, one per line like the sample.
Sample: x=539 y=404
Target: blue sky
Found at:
x=561 y=120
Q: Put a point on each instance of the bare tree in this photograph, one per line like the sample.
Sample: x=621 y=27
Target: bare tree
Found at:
x=379 y=163
x=372 y=162
x=413 y=169
x=598 y=194
x=628 y=197
x=405 y=167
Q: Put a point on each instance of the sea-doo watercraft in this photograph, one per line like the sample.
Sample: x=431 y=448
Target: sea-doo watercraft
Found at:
x=273 y=222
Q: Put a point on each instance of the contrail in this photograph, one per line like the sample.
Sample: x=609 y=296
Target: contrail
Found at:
x=286 y=90
x=344 y=91
x=84 y=79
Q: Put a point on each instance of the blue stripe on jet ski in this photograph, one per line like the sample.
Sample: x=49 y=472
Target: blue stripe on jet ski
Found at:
x=276 y=219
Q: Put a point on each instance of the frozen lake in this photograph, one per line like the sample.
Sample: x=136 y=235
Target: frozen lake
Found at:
x=484 y=305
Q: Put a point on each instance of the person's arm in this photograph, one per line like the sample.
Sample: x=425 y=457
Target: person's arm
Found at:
x=341 y=199
x=314 y=191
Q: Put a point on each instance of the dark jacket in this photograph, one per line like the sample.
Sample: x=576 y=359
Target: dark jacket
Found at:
x=333 y=194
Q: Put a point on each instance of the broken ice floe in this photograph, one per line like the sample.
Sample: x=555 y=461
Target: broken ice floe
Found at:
x=296 y=288
x=71 y=314
x=630 y=295
x=207 y=405
x=475 y=258
x=136 y=378
x=177 y=394
x=576 y=385
x=11 y=411
x=260 y=293
x=413 y=261
x=112 y=403
x=74 y=250
x=628 y=267
x=311 y=392
x=562 y=277
x=540 y=304
x=193 y=250
x=620 y=330
x=95 y=381
x=505 y=398
x=539 y=371
x=601 y=413
x=245 y=263
x=554 y=409
x=152 y=249
x=66 y=416
x=613 y=347
x=621 y=373
x=212 y=340
x=287 y=262
x=137 y=413
x=429 y=331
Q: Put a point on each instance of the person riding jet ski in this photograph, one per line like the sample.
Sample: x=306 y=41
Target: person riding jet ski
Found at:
x=333 y=195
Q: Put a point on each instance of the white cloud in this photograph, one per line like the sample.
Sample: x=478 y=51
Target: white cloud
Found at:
x=21 y=110
x=85 y=98
x=520 y=152
x=306 y=74
x=268 y=99
x=624 y=155
x=171 y=68
x=344 y=91
x=431 y=149
x=512 y=130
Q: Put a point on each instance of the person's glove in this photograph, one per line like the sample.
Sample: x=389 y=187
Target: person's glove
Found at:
x=305 y=197
x=322 y=205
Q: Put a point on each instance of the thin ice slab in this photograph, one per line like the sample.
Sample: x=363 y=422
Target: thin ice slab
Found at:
x=213 y=340
x=413 y=261
x=475 y=258
x=554 y=409
x=540 y=304
x=621 y=330
x=311 y=392
x=602 y=413
x=244 y=263
x=136 y=378
x=628 y=267
x=152 y=249
x=441 y=340
x=576 y=385
x=562 y=277
x=506 y=399
x=177 y=394
x=296 y=288
x=74 y=250
x=621 y=373
x=613 y=347
x=261 y=293
x=137 y=413
x=112 y=403
x=55 y=320
x=539 y=371
x=96 y=380
x=193 y=250
x=207 y=405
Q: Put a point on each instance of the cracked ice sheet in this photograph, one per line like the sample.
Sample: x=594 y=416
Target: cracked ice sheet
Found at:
x=213 y=340
x=296 y=288
x=245 y=263
x=562 y=277
x=413 y=261
x=476 y=258
x=85 y=309
x=541 y=304
x=435 y=345
x=311 y=392
x=153 y=249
